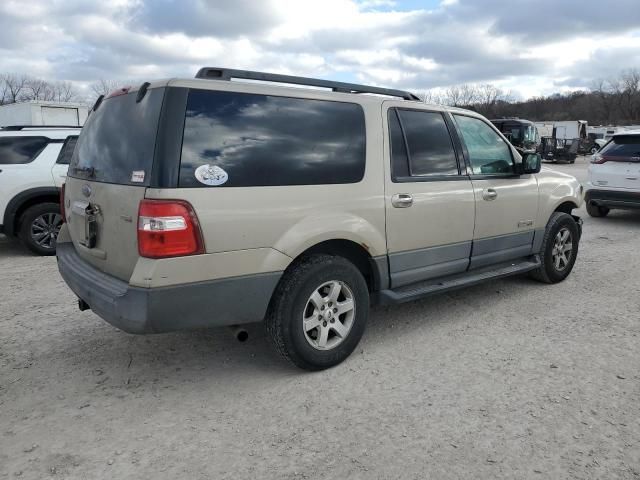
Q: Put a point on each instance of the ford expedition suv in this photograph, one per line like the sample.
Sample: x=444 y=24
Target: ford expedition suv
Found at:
x=210 y=202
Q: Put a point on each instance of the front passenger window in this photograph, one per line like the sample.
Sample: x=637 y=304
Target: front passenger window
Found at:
x=489 y=154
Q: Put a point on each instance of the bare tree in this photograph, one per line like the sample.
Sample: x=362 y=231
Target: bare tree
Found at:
x=14 y=86
x=64 y=91
x=432 y=97
x=105 y=87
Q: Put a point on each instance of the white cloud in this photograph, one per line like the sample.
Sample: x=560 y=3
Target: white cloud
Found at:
x=380 y=41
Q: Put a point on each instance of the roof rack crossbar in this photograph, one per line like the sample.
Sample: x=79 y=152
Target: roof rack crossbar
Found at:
x=16 y=128
x=213 y=73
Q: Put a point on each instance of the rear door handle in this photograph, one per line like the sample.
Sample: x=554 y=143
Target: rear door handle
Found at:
x=489 y=194
x=402 y=200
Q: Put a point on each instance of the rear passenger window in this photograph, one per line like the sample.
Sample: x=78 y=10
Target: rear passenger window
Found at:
x=260 y=140
x=17 y=150
x=64 y=157
x=427 y=137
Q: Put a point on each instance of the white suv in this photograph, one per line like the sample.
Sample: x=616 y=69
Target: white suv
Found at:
x=33 y=166
x=614 y=175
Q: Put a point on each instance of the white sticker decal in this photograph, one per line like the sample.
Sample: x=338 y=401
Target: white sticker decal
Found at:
x=211 y=175
x=137 y=176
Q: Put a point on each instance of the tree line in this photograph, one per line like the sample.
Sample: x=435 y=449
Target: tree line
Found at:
x=15 y=88
x=614 y=101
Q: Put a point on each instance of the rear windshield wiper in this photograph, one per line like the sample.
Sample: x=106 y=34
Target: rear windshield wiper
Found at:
x=89 y=171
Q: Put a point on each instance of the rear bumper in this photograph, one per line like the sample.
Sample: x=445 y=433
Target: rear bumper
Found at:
x=613 y=198
x=213 y=303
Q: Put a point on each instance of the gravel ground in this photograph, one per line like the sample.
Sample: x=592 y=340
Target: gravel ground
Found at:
x=512 y=379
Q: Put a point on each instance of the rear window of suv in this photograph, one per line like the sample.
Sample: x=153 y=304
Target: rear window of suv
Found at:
x=623 y=146
x=118 y=140
x=18 y=150
x=241 y=140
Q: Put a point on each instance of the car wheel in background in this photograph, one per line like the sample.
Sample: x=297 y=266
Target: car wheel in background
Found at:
x=39 y=228
x=596 y=211
x=559 y=249
x=318 y=312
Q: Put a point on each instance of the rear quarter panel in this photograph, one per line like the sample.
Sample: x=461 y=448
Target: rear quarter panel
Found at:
x=290 y=219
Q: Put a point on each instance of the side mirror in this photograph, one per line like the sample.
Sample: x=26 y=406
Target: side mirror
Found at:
x=531 y=163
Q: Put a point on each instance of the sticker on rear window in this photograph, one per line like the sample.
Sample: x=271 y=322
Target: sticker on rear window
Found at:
x=137 y=176
x=211 y=175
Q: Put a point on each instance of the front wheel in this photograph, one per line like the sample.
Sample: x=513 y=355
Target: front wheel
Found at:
x=318 y=312
x=559 y=249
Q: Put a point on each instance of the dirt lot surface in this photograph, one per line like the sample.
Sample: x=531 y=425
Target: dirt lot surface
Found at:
x=512 y=379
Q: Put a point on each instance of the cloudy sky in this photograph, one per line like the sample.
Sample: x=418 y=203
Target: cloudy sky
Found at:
x=530 y=47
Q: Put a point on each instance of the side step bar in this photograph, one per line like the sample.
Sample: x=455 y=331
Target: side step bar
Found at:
x=430 y=287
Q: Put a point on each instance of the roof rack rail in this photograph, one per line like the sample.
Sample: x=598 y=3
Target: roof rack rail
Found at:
x=16 y=128
x=213 y=73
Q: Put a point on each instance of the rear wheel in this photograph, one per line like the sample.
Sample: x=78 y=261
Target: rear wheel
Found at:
x=596 y=211
x=559 y=249
x=39 y=228
x=319 y=312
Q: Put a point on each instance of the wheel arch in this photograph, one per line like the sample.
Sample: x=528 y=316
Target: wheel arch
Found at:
x=18 y=204
x=374 y=269
x=566 y=207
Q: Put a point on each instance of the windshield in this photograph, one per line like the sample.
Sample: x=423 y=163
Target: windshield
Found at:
x=117 y=141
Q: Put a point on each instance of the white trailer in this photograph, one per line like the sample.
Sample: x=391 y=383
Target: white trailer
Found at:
x=38 y=113
x=571 y=129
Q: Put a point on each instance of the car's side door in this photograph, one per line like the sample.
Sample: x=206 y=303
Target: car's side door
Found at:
x=506 y=201
x=429 y=198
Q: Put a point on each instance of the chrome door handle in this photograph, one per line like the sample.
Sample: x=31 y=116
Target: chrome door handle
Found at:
x=489 y=194
x=402 y=200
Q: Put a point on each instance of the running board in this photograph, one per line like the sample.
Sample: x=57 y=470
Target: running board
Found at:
x=428 y=287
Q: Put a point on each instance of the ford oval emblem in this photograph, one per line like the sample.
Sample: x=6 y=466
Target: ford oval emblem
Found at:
x=86 y=190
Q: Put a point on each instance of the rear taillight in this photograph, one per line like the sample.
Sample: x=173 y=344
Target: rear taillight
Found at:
x=168 y=228
x=62 y=210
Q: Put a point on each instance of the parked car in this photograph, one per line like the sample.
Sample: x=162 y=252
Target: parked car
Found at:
x=33 y=166
x=208 y=202
x=614 y=175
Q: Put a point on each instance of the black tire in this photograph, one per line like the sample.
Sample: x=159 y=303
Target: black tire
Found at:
x=31 y=215
x=284 y=321
x=596 y=211
x=548 y=272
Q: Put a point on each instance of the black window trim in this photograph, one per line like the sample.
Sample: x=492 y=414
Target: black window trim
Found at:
x=64 y=144
x=461 y=175
x=486 y=176
x=294 y=97
x=37 y=154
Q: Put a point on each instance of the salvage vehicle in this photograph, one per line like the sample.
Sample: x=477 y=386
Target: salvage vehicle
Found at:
x=217 y=201
x=33 y=166
x=614 y=175
x=521 y=133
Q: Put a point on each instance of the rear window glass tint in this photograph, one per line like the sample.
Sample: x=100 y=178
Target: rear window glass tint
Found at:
x=430 y=148
x=623 y=146
x=17 y=150
x=118 y=140
x=260 y=140
x=399 y=159
x=64 y=157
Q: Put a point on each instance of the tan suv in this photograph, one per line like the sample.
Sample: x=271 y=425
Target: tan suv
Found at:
x=206 y=202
